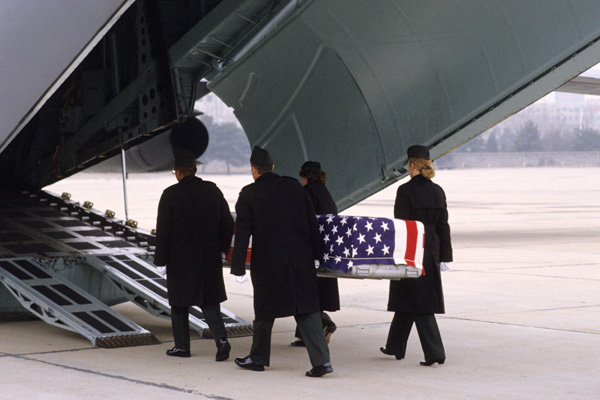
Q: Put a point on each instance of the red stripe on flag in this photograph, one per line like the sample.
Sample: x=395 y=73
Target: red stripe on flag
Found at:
x=411 y=243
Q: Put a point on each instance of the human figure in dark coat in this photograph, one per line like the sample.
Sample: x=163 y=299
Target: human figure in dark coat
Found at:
x=193 y=227
x=417 y=300
x=277 y=213
x=314 y=180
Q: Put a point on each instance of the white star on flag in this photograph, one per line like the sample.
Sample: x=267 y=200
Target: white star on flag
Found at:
x=361 y=238
x=377 y=241
x=386 y=249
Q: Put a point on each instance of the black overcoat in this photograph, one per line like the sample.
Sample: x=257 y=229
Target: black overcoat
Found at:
x=323 y=203
x=422 y=200
x=277 y=213
x=193 y=227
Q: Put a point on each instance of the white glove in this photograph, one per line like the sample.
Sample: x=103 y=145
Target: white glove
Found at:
x=162 y=271
x=317 y=264
x=445 y=266
x=241 y=279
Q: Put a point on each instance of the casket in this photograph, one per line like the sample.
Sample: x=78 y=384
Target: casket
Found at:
x=367 y=247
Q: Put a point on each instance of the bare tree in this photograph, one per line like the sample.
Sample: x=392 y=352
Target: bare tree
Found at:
x=528 y=138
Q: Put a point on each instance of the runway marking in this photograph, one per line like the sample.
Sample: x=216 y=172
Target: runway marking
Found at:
x=117 y=377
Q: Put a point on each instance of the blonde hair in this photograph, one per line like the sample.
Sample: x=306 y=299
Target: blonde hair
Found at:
x=424 y=166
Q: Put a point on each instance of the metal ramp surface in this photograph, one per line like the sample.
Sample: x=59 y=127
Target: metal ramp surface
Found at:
x=77 y=247
x=61 y=303
x=141 y=284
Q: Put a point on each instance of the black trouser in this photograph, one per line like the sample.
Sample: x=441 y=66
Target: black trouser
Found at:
x=310 y=329
x=181 y=325
x=325 y=321
x=429 y=335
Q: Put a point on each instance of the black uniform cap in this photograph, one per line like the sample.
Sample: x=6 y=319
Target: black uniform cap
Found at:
x=418 y=151
x=260 y=157
x=312 y=166
x=184 y=158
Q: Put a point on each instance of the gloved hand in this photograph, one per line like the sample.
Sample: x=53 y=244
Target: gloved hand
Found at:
x=317 y=264
x=162 y=271
x=445 y=266
x=241 y=279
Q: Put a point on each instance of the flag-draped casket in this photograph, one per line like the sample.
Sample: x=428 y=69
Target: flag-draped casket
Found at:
x=368 y=247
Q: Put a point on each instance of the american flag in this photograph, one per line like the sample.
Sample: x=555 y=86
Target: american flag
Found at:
x=350 y=241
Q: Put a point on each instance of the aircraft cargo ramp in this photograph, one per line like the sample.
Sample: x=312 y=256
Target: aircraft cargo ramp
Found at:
x=67 y=264
x=58 y=302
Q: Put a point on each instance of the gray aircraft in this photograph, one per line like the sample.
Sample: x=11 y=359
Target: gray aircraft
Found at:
x=352 y=83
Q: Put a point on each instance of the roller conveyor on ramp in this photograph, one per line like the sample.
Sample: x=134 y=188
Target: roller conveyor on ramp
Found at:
x=61 y=303
x=59 y=259
x=139 y=283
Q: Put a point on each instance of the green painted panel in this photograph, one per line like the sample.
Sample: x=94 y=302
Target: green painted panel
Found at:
x=353 y=84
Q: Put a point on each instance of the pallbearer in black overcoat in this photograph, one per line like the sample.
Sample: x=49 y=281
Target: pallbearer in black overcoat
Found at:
x=417 y=300
x=194 y=225
x=314 y=180
x=277 y=213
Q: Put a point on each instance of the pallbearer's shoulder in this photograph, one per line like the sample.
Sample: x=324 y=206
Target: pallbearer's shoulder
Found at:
x=290 y=179
x=248 y=188
x=209 y=183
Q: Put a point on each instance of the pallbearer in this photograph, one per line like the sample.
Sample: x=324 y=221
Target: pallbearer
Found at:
x=193 y=227
x=417 y=300
x=313 y=179
x=277 y=213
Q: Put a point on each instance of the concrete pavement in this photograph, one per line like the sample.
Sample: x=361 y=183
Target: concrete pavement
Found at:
x=522 y=321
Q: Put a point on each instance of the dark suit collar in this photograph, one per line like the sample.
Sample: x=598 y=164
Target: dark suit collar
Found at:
x=267 y=176
x=188 y=178
x=313 y=183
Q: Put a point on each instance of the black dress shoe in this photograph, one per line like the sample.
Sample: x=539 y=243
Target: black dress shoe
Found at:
x=298 y=343
x=223 y=349
x=247 y=363
x=432 y=362
x=175 y=352
x=328 y=330
x=389 y=353
x=320 y=370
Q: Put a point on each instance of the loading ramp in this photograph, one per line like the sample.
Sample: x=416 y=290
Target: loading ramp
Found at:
x=54 y=253
x=61 y=303
x=141 y=284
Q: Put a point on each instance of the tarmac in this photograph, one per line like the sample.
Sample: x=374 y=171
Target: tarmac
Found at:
x=522 y=314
